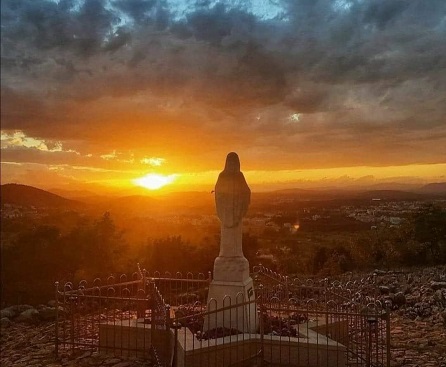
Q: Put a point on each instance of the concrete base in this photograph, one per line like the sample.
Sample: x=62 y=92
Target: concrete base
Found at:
x=309 y=349
x=125 y=338
x=134 y=338
x=222 y=295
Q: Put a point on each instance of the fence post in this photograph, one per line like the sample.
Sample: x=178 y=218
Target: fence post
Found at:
x=56 y=331
x=167 y=347
x=72 y=300
x=152 y=314
x=141 y=312
x=388 y=335
x=287 y=292
x=372 y=325
x=175 y=326
x=261 y=330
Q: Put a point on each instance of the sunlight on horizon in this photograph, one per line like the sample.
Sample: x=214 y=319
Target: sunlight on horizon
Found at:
x=101 y=179
x=154 y=181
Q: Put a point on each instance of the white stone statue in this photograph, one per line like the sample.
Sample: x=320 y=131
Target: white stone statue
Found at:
x=232 y=198
x=231 y=283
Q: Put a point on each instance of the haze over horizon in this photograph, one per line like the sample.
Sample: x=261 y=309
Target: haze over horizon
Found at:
x=309 y=93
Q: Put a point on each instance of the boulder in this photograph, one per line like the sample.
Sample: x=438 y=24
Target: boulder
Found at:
x=443 y=317
x=18 y=309
x=52 y=303
x=379 y=272
x=423 y=309
x=438 y=285
x=399 y=299
x=440 y=295
x=49 y=313
x=21 y=308
x=28 y=316
x=5 y=322
x=8 y=312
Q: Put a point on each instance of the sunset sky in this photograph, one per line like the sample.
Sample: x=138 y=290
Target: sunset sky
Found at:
x=100 y=94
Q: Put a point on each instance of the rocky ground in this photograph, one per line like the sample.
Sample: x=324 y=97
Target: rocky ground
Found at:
x=418 y=318
x=24 y=345
x=417 y=298
x=27 y=339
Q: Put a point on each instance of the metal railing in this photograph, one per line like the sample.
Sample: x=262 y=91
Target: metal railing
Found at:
x=287 y=334
x=125 y=316
x=166 y=318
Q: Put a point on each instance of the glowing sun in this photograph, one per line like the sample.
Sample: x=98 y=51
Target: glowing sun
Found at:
x=154 y=181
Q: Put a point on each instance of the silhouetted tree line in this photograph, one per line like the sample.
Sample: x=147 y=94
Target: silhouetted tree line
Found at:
x=421 y=240
x=176 y=254
x=39 y=256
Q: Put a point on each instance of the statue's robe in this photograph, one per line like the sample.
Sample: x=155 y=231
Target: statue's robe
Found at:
x=232 y=198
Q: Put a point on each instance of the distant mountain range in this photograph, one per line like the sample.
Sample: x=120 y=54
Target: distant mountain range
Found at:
x=423 y=192
x=202 y=202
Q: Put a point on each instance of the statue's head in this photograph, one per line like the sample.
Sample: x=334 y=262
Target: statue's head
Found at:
x=232 y=163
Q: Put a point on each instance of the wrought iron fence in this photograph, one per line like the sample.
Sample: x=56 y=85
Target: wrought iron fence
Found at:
x=165 y=318
x=125 y=315
x=342 y=290
x=287 y=334
x=84 y=308
x=181 y=290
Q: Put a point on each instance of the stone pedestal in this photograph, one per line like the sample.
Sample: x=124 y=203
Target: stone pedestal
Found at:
x=231 y=285
x=223 y=298
x=231 y=269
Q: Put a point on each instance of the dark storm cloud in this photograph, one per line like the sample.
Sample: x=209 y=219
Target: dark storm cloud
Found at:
x=218 y=23
x=68 y=35
x=341 y=67
x=351 y=43
x=19 y=110
x=46 y=25
x=139 y=10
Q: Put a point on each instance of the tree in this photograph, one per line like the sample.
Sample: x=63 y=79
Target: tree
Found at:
x=429 y=229
x=30 y=264
x=171 y=254
x=250 y=247
x=94 y=248
x=107 y=245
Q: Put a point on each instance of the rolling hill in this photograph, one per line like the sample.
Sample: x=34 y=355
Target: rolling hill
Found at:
x=28 y=196
x=434 y=188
